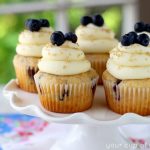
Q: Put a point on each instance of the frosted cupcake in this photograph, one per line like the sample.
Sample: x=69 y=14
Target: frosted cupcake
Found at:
x=31 y=42
x=65 y=81
x=96 y=40
x=127 y=78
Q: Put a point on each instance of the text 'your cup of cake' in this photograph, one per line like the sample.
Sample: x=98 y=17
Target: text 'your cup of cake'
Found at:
x=65 y=81
x=127 y=78
x=29 y=51
x=96 y=40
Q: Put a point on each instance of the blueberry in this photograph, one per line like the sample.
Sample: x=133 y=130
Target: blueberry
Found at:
x=98 y=20
x=57 y=38
x=60 y=33
x=33 y=24
x=85 y=20
x=132 y=36
x=139 y=27
x=147 y=27
x=44 y=23
x=143 y=39
x=129 y=38
x=125 y=40
x=71 y=37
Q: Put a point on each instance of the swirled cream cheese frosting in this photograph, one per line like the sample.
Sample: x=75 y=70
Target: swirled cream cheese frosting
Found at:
x=130 y=60
x=32 y=42
x=63 y=59
x=95 y=39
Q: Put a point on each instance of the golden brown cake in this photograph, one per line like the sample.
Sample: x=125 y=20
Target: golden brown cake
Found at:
x=98 y=62
x=25 y=68
x=66 y=94
x=127 y=78
x=96 y=40
x=124 y=96
x=31 y=42
x=65 y=81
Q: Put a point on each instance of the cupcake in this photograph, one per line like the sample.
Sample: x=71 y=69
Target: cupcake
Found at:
x=96 y=40
x=127 y=78
x=31 y=42
x=65 y=81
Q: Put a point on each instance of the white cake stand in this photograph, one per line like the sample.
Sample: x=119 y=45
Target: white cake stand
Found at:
x=88 y=125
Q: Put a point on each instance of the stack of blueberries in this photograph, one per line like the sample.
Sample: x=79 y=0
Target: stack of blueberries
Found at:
x=133 y=37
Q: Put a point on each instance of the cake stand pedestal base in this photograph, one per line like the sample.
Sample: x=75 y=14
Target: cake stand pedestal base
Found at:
x=83 y=137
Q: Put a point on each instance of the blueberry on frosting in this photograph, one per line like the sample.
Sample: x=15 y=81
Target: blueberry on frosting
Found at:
x=98 y=20
x=125 y=40
x=71 y=37
x=95 y=19
x=33 y=24
x=129 y=38
x=139 y=27
x=143 y=39
x=132 y=37
x=44 y=23
x=57 y=38
x=85 y=20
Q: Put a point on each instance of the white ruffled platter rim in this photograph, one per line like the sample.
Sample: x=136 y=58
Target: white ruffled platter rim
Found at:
x=99 y=114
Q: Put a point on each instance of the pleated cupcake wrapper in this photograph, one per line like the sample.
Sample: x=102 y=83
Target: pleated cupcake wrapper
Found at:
x=66 y=98
x=100 y=67
x=124 y=99
x=24 y=75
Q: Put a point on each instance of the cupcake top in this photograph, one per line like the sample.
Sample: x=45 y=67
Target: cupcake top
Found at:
x=34 y=37
x=131 y=58
x=94 y=36
x=62 y=56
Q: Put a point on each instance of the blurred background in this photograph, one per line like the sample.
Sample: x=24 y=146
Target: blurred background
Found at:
x=119 y=15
